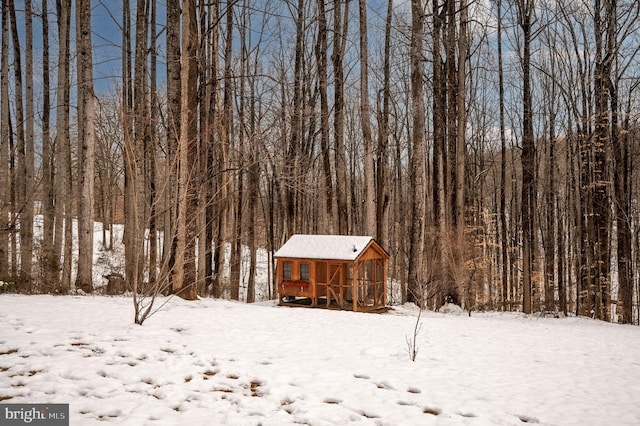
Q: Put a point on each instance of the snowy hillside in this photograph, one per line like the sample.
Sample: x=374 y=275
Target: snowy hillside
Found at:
x=213 y=362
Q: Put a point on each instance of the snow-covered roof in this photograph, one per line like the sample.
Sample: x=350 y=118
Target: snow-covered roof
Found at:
x=338 y=247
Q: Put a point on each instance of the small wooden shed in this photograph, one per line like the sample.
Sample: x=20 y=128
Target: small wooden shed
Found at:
x=332 y=271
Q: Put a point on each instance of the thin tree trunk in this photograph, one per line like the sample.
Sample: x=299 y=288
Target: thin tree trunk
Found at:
x=528 y=211
x=294 y=149
x=460 y=156
x=226 y=132
x=369 y=168
x=4 y=146
x=132 y=180
x=551 y=206
x=150 y=154
x=504 y=241
x=26 y=220
x=321 y=60
x=340 y=26
x=62 y=177
x=253 y=183
x=596 y=184
x=622 y=181
x=237 y=237
x=211 y=141
x=221 y=180
x=382 y=161
x=440 y=203
x=48 y=164
x=19 y=212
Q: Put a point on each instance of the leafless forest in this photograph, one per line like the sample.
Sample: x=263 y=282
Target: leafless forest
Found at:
x=490 y=146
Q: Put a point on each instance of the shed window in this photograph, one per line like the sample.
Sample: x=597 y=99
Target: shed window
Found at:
x=286 y=270
x=304 y=271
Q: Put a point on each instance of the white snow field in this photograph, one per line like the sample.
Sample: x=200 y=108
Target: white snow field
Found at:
x=215 y=362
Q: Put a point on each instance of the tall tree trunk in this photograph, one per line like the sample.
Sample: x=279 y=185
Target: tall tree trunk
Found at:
x=504 y=241
x=382 y=160
x=460 y=156
x=219 y=118
x=253 y=180
x=26 y=221
x=62 y=178
x=440 y=205
x=595 y=300
x=417 y=176
x=86 y=146
x=48 y=164
x=226 y=135
x=173 y=133
x=238 y=225
x=19 y=212
x=184 y=283
x=369 y=168
x=140 y=145
x=321 y=60
x=340 y=26
x=150 y=153
x=622 y=181
x=528 y=212
x=131 y=144
x=4 y=146
x=209 y=140
x=204 y=174
x=294 y=149
x=550 y=200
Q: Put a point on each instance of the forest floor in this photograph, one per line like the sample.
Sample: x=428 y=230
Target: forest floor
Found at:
x=215 y=362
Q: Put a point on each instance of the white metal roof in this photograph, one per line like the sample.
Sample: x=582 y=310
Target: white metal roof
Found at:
x=338 y=247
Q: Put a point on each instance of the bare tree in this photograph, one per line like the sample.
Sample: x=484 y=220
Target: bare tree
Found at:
x=26 y=219
x=321 y=61
x=439 y=164
x=184 y=279
x=235 y=258
x=151 y=148
x=528 y=212
x=594 y=296
x=622 y=149
x=172 y=125
x=417 y=160
x=86 y=145
x=133 y=118
x=503 y=165
x=47 y=154
x=384 y=134
x=19 y=210
x=369 y=179
x=4 y=146
x=62 y=177
x=340 y=30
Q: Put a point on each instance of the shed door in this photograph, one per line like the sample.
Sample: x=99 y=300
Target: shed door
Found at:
x=336 y=284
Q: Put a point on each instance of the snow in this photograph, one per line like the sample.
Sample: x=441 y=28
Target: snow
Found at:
x=451 y=308
x=338 y=247
x=214 y=362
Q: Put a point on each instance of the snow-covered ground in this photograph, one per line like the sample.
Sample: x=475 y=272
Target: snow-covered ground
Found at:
x=214 y=362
